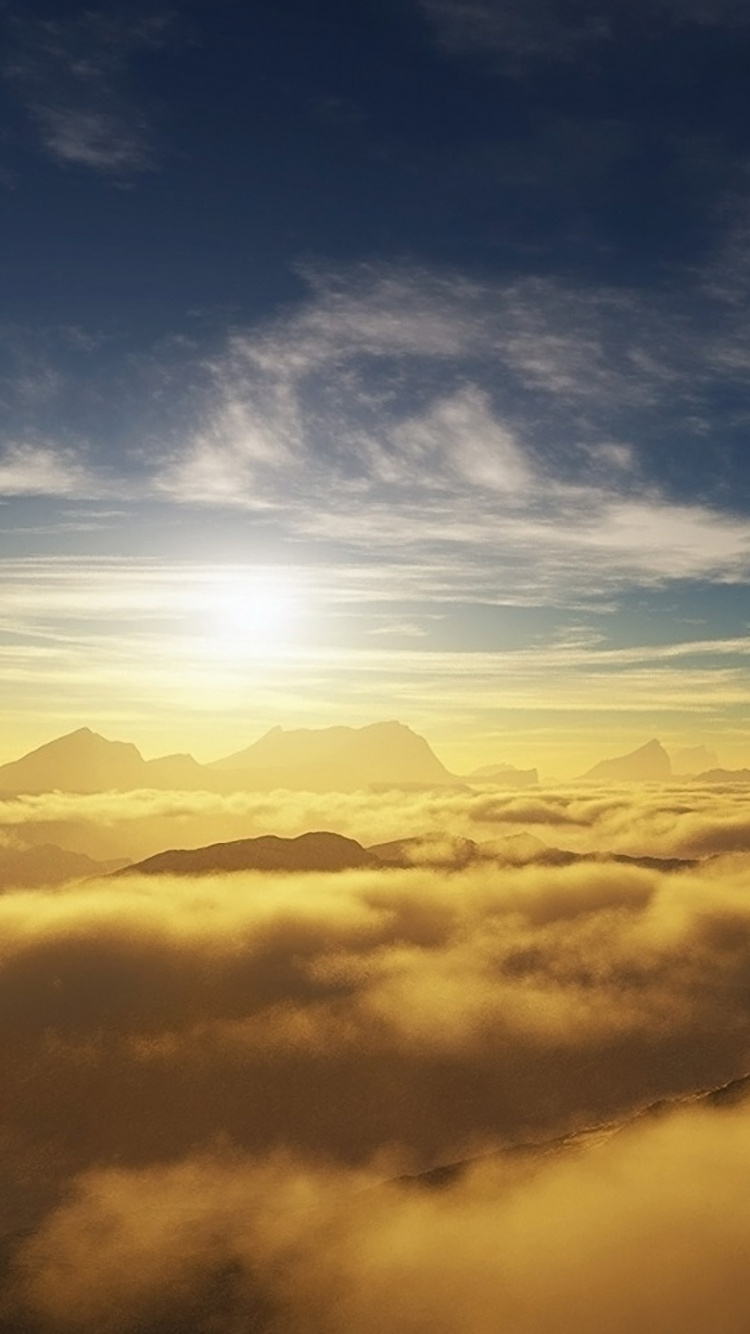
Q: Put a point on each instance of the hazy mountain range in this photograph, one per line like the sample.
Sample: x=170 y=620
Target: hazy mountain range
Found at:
x=652 y=764
x=329 y=759
x=326 y=851
x=48 y=864
x=317 y=851
x=647 y=764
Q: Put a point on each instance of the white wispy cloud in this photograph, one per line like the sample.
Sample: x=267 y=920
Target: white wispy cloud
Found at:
x=460 y=437
x=71 y=73
x=91 y=138
x=463 y=428
x=44 y=470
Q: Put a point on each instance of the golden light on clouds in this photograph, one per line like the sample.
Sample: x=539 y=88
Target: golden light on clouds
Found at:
x=364 y=1026
x=375 y=667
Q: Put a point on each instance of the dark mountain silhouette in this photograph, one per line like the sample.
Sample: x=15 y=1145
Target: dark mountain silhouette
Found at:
x=532 y=1154
x=320 y=851
x=46 y=864
x=648 y=764
x=504 y=775
x=338 y=759
x=323 y=851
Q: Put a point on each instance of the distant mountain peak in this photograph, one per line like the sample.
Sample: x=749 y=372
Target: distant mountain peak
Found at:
x=80 y=761
x=383 y=754
x=650 y=763
x=340 y=758
x=81 y=739
x=318 y=850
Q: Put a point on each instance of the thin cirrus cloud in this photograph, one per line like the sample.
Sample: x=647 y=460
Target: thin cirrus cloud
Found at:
x=484 y=433
x=478 y=440
x=489 y=415
x=71 y=74
x=546 y=29
x=45 y=470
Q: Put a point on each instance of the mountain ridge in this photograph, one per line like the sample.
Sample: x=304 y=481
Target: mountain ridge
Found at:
x=325 y=759
x=647 y=764
x=341 y=755
x=323 y=850
x=318 y=850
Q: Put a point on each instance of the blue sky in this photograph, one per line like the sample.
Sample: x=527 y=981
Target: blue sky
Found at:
x=377 y=359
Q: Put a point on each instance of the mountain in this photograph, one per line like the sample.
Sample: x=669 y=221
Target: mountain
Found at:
x=46 y=864
x=84 y=761
x=451 y=853
x=320 y=851
x=323 y=760
x=338 y=759
x=504 y=775
x=531 y=1154
x=175 y=773
x=648 y=764
x=694 y=760
x=729 y=776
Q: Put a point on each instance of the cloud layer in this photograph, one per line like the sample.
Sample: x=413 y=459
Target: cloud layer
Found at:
x=213 y=1079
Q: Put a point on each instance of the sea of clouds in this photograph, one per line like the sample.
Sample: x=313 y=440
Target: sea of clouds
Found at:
x=217 y=1092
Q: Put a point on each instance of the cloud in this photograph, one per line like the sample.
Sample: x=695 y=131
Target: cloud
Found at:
x=460 y=436
x=71 y=75
x=680 y=820
x=606 y=985
x=95 y=139
x=678 y=541
x=545 y=29
x=290 y=1246
x=220 y=1078
x=476 y=424
x=462 y=440
x=44 y=470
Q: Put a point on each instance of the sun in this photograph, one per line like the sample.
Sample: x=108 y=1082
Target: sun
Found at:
x=254 y=614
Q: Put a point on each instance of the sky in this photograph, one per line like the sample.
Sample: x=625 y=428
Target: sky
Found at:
x=376 y=360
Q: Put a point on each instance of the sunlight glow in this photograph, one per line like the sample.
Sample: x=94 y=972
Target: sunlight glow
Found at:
x=253 y=614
